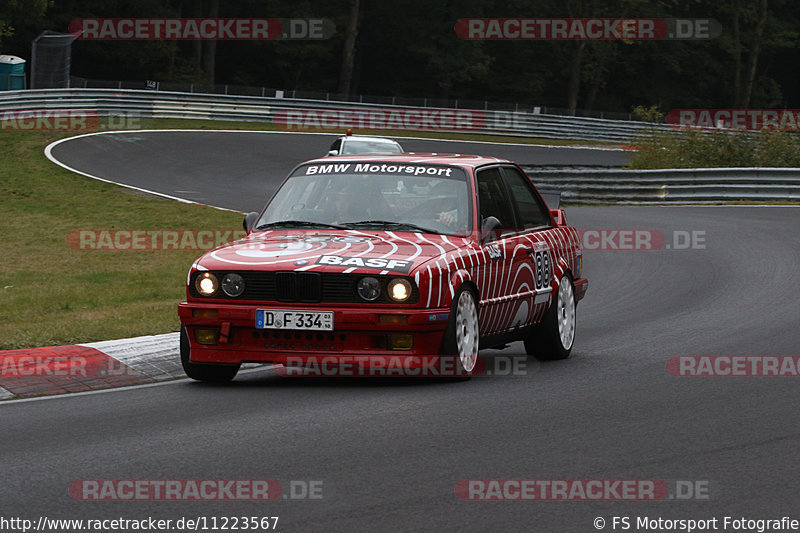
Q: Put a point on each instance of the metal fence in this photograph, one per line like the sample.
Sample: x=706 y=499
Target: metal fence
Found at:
x=241 y=90
x=671 y=186
x=304 y=114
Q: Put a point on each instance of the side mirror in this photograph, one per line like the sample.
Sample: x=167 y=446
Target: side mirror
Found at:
x=249 y=221
x=559 y=217
x=333 y=152
x=489 y=229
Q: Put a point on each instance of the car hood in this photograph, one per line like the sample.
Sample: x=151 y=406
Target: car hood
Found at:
x=376 y=252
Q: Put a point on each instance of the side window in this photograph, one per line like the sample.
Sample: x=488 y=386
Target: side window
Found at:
x=337 y=145
x=493 y=198
x=531 y=212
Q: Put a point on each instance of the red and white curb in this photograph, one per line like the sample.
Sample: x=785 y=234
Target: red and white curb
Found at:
x=82 y=367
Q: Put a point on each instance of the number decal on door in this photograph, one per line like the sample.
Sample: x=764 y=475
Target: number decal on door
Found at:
x=541 y=260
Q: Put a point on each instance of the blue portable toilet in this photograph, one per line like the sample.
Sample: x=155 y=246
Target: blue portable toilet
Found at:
x=12 y=73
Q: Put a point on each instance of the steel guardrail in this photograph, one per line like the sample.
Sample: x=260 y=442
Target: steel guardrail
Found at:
x=163 y=104
x=670 y=186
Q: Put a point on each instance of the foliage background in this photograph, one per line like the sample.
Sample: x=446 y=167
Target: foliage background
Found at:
x=409 y=48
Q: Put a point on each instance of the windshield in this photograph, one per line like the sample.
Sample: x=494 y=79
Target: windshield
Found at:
x=352 y=146
x=384 y=196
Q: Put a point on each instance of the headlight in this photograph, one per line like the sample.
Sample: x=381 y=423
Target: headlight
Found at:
x=233 y=285
x=369 y=289
x=206 y=284
x=399 y=289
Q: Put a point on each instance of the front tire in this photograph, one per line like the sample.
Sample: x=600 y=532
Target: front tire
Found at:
x=553 y=338
x=462 y=336
x=209 y=372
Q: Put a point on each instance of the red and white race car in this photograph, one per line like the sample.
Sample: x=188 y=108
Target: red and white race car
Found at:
x=365 y=257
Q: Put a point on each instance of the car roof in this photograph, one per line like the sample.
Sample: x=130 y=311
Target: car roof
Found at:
x=367 y=138
x=462 y=160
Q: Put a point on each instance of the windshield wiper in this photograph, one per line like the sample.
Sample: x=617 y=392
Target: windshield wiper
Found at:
x=390 y=223
x=299 y=223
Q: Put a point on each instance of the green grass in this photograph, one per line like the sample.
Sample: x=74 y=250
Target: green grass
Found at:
x=53 y=294
x=715 y=149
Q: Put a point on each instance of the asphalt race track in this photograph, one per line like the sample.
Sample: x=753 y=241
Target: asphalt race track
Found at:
x=390 y=452
x=240 y=170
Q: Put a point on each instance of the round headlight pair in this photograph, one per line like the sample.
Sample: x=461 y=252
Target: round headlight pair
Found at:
x=207 y=284
x=369 y=289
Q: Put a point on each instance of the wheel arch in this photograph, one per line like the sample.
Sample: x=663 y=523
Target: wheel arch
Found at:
x=462 y=278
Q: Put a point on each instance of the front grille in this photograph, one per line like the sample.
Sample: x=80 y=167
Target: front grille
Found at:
x=298 y=287
x=302 y=287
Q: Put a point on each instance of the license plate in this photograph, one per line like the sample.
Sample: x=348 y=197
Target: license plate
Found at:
x=303 y=320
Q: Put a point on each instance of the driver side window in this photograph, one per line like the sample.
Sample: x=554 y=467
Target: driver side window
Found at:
x=493 y=198
x=531 y=212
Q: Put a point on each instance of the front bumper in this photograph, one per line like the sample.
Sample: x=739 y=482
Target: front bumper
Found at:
x=357 y=332
x=581 y=285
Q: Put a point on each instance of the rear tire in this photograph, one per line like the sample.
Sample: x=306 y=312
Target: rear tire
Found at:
x=462 y=336
x=553 y=338
x=209 y=372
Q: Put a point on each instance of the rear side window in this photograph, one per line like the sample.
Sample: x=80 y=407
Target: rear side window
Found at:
x=532 y=213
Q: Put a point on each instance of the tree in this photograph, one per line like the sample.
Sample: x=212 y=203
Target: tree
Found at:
x=349 y=51
x=13 y=12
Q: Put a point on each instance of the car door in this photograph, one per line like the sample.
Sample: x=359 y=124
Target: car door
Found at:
x=536 y=264
x=501 y=275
